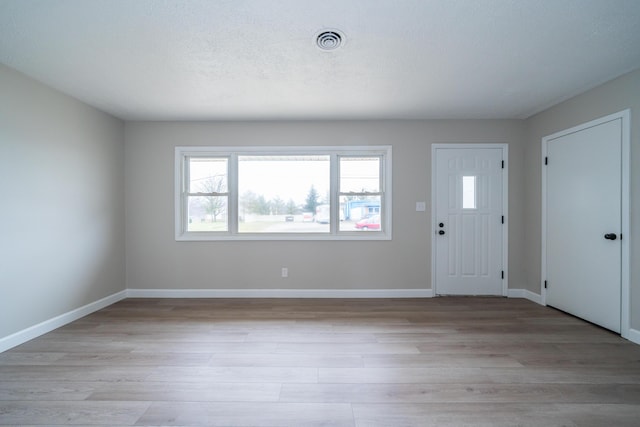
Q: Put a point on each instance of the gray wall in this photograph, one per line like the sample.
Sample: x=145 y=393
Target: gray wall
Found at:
x=62 y=215
x=156 y=261
x=614 y=96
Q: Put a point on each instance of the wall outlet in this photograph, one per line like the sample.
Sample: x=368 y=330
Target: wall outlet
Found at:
x=421 y=206
x=285 y=272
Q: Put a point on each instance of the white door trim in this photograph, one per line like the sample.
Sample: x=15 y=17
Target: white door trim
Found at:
x=625 y=324
x=505 y=207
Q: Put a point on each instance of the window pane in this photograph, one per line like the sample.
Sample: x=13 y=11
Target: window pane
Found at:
x=359 y=174
x=207 y=213
x=468 y=192
x=283 y=194
x=208 y=175
x=360 y=213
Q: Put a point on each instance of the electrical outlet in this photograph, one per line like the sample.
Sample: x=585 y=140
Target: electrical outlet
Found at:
x=421 y=206
x=285 y=272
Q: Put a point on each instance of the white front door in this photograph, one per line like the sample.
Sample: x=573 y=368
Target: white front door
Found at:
x=468 y=219
x=583 y=223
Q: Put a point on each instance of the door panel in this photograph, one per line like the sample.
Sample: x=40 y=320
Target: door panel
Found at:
x=468 y=210
x=583 y=204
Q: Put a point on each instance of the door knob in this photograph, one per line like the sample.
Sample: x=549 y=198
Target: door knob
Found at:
x=441 y=225
x=611 y=236
x=441 y=232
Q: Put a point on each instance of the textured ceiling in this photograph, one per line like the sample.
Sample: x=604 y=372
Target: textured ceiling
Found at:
x=257 y=59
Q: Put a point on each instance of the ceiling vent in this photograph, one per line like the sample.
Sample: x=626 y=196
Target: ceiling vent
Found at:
x=329 y=40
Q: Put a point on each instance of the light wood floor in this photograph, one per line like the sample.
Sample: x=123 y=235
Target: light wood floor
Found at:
x=417 y=362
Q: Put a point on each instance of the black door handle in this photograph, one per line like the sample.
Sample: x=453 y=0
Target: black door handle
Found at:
x=611 y=236
x=441 y=232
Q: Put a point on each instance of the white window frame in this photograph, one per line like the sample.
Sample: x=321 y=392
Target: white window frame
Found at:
x=232 y=153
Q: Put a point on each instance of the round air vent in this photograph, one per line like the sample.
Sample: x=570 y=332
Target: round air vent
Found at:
x=329 y=40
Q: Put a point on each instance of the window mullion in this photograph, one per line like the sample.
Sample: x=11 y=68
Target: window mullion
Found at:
x=381 y=180
x=334 y=200
x=184 y=196
x=232 y=205
x=226 y=194
x=383 y=202
x=377 y=193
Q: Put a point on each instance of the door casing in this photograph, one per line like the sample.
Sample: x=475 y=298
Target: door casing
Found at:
x=505 y=205
x=624 y=116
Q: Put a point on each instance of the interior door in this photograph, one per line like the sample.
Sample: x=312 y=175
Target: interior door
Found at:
x=583 y=223
x=469 y=221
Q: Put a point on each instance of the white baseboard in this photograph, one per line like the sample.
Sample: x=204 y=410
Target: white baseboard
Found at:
x=633 y=336
x=524 y=293
x=279 y=293
x=42 y=328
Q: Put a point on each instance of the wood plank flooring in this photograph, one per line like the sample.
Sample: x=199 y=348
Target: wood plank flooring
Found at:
x=263 y=362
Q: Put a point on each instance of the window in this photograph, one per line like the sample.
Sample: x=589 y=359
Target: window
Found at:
x=360 y=192
x=207 y=194
x=283 y=193
x=468 y=192
x=272 y=189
